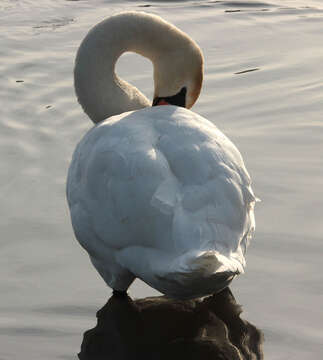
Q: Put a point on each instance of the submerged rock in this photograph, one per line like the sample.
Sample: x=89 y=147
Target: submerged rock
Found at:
x=161 y=328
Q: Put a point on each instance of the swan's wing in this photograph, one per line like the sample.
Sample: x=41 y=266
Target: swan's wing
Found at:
x=114 y=173
x=213 y=206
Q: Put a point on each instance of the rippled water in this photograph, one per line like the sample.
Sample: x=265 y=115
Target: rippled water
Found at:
x=49 y=291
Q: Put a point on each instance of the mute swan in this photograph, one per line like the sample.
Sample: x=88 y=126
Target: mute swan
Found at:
x=157 y=193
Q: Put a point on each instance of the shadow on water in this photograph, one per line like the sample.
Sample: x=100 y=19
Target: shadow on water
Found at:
x=162 y=328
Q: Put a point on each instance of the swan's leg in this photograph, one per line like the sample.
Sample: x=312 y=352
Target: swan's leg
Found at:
x=115 y=276
x=120 y=294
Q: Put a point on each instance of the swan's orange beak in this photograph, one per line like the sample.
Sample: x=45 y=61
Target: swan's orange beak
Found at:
x=162 y=102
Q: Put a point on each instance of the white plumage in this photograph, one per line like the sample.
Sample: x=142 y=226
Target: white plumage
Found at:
x=161 y=194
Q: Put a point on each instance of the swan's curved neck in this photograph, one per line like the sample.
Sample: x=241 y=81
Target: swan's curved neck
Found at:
x=99 y=90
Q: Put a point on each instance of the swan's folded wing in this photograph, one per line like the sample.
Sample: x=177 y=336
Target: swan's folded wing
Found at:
x=211 y=198
x=113 y=176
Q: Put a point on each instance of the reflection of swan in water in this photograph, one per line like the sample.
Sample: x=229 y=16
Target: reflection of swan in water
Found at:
x=160 y=328
x=157 y=193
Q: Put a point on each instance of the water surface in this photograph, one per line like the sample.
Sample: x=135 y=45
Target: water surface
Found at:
x=50 y=292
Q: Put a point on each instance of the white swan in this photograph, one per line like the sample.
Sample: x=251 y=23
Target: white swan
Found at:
x=158 y=193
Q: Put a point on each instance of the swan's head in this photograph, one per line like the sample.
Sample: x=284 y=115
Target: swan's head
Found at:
x=178 y=70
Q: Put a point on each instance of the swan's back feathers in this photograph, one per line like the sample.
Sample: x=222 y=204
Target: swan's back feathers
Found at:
x=162 y=183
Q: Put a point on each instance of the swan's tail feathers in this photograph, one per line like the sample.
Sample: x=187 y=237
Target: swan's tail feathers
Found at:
x=200 y=273
x=210 y=262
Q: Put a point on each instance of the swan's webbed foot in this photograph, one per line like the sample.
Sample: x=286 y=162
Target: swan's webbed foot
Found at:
x=120 y=294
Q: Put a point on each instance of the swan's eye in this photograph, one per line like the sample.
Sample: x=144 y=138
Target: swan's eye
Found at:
x=179 y=99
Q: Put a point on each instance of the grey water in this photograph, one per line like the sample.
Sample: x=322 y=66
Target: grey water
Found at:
x=263 y=88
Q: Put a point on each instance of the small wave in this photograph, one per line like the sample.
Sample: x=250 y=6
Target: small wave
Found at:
x=245 y=4
x=245 y=71
x=53 y=24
